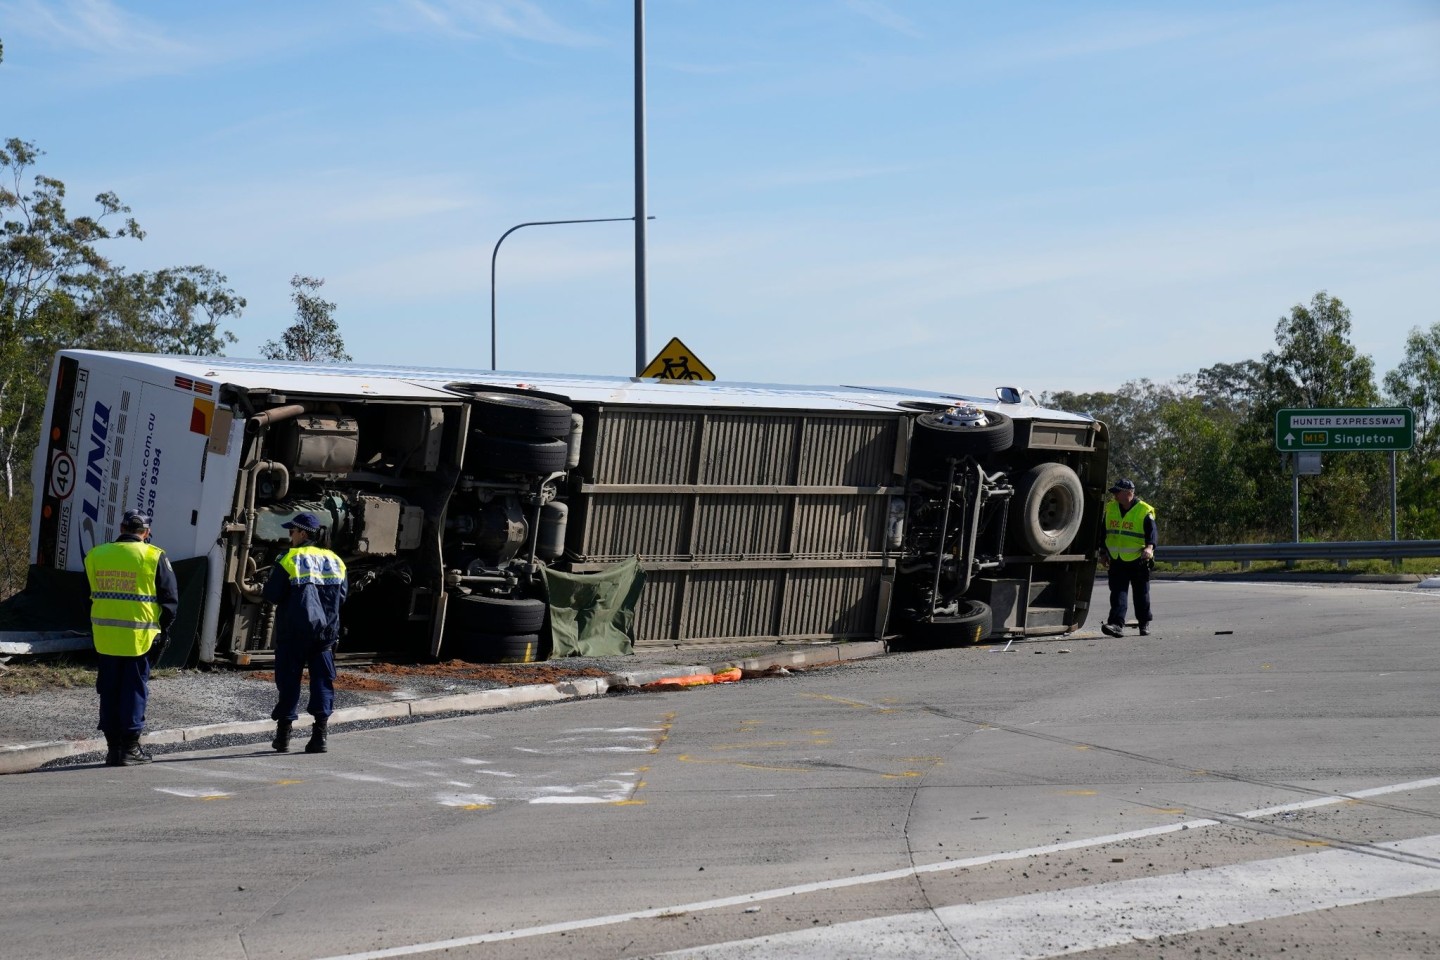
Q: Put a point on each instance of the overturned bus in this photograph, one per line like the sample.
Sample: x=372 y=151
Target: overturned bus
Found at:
x=754 y=511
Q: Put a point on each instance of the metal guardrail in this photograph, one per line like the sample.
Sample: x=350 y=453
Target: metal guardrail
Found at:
x=1342 y=551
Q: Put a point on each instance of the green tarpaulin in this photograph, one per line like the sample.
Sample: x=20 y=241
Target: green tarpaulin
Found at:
x=593 y=614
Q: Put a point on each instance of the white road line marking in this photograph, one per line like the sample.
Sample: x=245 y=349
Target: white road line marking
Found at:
x=610 y=791
x=464 y=800
x=191 y=794
x=1041 y=925
x=371 y=778
x=614 y=730
x=746 y=899
x=575 y=800
x=199 y=770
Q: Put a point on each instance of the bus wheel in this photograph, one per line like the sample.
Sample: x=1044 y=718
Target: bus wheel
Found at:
x=520 y=416
x=500 y=648
x=971 y=624
x=500 y=614
x=509 y=455
x=966 y=429
x=1051 y=503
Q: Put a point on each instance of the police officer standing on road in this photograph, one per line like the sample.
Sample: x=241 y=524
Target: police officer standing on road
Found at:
x=307 y=587
x=133 y=602
x=1129 y=554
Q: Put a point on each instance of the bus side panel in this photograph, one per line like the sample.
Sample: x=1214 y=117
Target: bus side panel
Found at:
x=750 y=523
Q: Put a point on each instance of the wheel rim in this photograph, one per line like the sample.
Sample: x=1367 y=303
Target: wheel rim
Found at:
x=1056 y=507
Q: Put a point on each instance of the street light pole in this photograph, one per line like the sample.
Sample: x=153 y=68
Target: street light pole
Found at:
x=494 y=253
x=641 y=293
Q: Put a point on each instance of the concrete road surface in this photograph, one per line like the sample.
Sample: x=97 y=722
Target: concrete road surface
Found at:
x=1259 y=776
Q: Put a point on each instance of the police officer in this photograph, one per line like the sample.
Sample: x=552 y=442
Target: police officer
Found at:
x=307 y=586
x=133 y=602
x=1129 y=553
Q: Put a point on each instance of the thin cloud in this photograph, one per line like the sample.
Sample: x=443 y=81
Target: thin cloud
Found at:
x=463 y=269
x=310 y=202
x=1100 y=38
x=813 y=176
x=475 y=19
x=881 y=13
x=100 y=28
x=704 y=69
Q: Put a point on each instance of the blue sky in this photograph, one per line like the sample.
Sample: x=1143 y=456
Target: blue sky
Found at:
x=944 y=194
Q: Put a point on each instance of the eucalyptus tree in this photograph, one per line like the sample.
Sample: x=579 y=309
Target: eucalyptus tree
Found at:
x=1314 y=364
x=315 y=334
x=177 y=310
x=1415 y=383
x=51 y=270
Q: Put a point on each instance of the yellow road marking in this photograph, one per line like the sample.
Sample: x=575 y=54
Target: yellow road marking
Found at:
x=857 y=704
x=686 y=758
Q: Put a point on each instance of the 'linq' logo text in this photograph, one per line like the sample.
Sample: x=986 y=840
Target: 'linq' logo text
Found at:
x=94 y=474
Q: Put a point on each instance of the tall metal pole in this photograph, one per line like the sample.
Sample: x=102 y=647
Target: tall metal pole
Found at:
x=1295 y=492
x=641 y=294
x=496 y=252
x=1394 y=501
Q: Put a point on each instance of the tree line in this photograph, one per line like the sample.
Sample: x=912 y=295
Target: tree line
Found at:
x=1202 y=450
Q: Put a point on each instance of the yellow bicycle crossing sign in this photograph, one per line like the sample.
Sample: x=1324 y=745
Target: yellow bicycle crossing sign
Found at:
x=675 y=361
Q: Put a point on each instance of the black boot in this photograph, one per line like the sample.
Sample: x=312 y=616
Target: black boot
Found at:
x=281 y=743
x=318 y=736
x=131 y=753
x=112 y=752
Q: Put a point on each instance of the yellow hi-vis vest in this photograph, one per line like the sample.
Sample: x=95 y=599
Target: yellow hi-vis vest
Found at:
x=124 y=611
x=1125 y=535
x=312 y=564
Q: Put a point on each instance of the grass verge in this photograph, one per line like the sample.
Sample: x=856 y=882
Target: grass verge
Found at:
x=22 y=678
x=1419 y=566
x=17 y=679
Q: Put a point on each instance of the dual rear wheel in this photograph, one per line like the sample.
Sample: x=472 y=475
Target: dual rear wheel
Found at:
x=499 y=629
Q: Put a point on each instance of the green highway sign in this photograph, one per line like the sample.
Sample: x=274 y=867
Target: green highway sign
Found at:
x=1317 y=431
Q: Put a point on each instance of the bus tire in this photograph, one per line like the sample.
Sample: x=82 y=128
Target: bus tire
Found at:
x=500 y=615
x=500 y=648
x=972 y=624
x=512 y=455
x=522 y=417
x=1051 y=506
x=958 y=440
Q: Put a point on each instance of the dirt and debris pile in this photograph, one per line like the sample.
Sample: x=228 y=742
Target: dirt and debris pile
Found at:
x=387 y=677
x=514 y=675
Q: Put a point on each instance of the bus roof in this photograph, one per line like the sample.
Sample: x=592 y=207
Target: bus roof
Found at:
x=415 y=382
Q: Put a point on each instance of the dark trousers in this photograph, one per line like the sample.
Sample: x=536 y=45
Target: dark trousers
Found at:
x=290 y=660
x=123 y=685
x=1125 y=575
